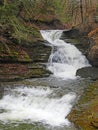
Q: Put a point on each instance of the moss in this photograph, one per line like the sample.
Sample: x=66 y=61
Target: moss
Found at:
x=20 y=55
x=85 y=114
x=15 y=53
x=36 y=70
x=73 y=41
x=13 y=72
x=24 y=57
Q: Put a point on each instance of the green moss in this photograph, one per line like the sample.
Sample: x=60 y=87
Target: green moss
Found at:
x=25 y=57
x=20 y=57
x=74 y=41
x=15 y=53
x=85 y=115
x=36 y=70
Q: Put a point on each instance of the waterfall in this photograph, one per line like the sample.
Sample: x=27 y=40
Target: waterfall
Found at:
x=65 y=58
x=45 y=102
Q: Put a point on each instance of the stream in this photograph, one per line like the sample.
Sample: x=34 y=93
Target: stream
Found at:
x=44 y=103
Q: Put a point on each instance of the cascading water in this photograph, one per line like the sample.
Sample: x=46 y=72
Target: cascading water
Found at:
x=65 y=58
x=35 y=104
x=47 y=101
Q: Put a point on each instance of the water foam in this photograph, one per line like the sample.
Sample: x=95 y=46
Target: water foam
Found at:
x=35 y=105
x=65 y=58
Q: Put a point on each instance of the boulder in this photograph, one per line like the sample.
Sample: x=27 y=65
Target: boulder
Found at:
x=88 y=72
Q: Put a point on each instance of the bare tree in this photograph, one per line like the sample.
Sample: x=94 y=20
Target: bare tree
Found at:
x=82 y=11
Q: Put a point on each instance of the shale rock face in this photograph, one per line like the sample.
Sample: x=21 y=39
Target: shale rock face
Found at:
x=93 y=50
x=21 y=61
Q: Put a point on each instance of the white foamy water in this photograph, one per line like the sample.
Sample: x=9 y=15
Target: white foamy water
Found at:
x=65 y=58
x=43 y=104
x=35 y=105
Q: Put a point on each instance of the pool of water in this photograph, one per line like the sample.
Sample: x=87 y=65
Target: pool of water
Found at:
x=39 y=104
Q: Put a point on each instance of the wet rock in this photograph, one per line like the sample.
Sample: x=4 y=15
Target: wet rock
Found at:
x=88 y=72
x=20 y=71
x=23 y=61
x=85 y=113
x=38 y=51
x=71 y=33
x=80 y=40
x=93 y=49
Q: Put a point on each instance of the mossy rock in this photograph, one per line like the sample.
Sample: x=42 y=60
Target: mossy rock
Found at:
x=20 y=71
x=85 y=113
x=38 y=71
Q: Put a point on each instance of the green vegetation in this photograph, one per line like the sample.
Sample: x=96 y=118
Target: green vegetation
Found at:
x=20 y=17
x=21 y=31
x=9 y=17
x=21 y=20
